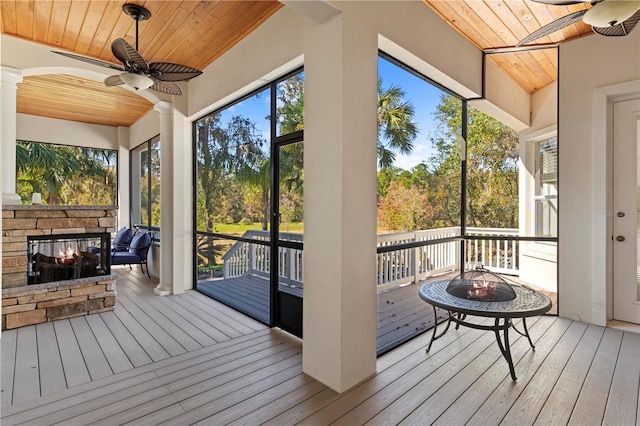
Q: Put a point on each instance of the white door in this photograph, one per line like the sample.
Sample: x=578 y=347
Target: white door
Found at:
x=626 y=203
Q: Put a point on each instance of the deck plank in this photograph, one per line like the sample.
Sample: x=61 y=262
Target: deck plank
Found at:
x=94 y=358
x=465 y=405
x=149 y=344
x=623 y=396
x=410 y=392
x=228 y=331
x=242 y=320
x=486 y=372
x=118 y=360
x=592 y=400
x=8 y=358
x=562 y=337
x=75 y=369
x=527 y=408
x=560 y=402
x=182 y=330
x=393 y=382
x=50 y=364
x=168 y=343
x=235 y=328
x=134 y=351
x=214 y=400
x=262 y=393
x=195 y=322
x=26 y=382
x=266 y=411
x=112 y=386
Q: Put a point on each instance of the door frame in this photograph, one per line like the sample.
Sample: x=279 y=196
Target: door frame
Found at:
x=603 y=100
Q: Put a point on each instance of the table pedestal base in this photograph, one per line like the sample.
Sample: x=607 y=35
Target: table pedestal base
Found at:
x=503 y=342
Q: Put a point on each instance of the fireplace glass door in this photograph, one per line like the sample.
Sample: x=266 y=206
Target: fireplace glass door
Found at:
x=67 y=257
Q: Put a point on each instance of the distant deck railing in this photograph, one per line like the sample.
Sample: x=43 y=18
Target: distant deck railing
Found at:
x=255 y=259
x=497 y=255
x=393 y=267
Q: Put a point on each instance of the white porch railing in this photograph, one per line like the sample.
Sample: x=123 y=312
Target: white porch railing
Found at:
x=413 y=264
x=499 y=256
x=397 y=267
x=245 y=258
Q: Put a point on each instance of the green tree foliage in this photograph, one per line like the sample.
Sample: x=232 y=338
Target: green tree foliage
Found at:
x=65 y=174
x=492 y=166
x=224 y=149
x=428 y=196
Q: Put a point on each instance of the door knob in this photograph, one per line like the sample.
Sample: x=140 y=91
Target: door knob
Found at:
x=620 y=214
x=620 y=238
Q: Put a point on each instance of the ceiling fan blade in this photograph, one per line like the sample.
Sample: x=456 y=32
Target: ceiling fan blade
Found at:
x=167 y=87
x=561 y=2
x=621 y=29
x=172 y=72
x=129 y=56
x=552 y=27
x=114 y=80
x=91 y=60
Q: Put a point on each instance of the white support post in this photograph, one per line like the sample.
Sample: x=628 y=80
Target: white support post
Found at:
x=339 y=314
x=165 y=286
x=10 y=79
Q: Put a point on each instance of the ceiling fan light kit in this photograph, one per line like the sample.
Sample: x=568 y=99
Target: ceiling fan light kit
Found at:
x=612 y=18
x=610 y=13
x=137 y=81
x=136 y=71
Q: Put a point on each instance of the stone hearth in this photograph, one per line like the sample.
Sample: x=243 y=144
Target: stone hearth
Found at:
x=24 y=304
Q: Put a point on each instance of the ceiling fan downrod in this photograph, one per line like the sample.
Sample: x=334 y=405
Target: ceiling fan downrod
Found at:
x=137 y=13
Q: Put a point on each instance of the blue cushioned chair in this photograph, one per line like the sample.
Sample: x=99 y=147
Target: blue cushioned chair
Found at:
x=136 y=253
x=122 y=240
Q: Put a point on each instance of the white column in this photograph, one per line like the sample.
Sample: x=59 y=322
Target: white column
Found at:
x=124 y=181
x=10 y=79
x=182 y=198
x=339 y=344
x=165 y=286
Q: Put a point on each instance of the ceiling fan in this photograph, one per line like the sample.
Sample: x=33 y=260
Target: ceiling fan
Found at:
x=613 y=18
x=136 y=71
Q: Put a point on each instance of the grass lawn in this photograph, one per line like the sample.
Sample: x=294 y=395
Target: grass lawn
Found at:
x=238 y=229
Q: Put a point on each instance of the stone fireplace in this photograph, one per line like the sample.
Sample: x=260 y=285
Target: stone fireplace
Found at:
x=24 y=304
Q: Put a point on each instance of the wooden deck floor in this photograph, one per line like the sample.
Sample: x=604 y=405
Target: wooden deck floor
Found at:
x=402 y=315
x=579 y=374
x=47 y=358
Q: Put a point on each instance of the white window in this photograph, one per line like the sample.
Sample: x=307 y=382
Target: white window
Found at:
x=546 y=187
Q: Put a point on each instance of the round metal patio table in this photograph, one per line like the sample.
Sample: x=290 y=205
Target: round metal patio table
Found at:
x=527 y=303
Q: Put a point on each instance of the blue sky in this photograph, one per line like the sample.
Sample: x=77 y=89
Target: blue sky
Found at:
x=423 y=96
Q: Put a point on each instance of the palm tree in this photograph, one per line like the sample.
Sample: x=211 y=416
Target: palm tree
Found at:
x=396 y=128
x=45 y=168
x=54 y=170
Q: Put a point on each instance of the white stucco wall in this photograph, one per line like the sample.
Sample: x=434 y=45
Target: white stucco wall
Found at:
x=585 y=64
x=147 y=127
x=51 y=130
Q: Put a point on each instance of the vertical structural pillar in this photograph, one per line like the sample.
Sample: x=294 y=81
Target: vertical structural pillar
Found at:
x=10 y=79
x=339 y=311
x=165 y=286
x=124 y=178
x=182 y=198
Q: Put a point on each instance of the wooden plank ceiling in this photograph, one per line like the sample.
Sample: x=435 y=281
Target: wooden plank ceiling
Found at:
x=195 y=33
x=495 y=24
